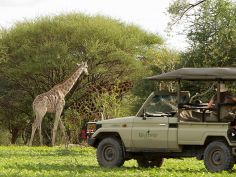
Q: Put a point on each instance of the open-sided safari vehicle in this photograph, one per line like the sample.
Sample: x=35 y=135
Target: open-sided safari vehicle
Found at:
x=172 y=125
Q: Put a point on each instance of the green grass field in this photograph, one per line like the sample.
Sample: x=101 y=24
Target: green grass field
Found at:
x=81 y=161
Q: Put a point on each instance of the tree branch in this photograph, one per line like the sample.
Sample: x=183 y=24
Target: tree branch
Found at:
x=188 y=8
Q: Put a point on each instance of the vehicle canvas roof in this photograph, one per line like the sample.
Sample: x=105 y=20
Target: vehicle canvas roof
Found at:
x=197 y=74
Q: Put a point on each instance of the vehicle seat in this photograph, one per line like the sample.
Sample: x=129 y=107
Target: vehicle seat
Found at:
x=186 y=115
x=183 y=114
x=184 y=97
x=226 y=115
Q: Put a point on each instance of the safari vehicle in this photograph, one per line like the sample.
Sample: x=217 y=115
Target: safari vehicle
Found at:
x=161 y=130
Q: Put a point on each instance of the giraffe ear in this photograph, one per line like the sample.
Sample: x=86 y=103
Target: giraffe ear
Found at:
x=78 y=64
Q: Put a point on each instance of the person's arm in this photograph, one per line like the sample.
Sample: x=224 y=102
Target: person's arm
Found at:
x=234 y=98
x=231 y=97
x=210 y=104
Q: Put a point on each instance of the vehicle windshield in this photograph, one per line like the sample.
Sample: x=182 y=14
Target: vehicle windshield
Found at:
x=162 y=104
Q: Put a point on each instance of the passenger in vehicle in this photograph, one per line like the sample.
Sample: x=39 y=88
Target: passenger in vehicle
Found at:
x=183 y=114
x=225 y=97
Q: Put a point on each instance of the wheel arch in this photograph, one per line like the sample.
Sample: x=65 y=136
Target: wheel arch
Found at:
x=210 y=139
x=103 y=135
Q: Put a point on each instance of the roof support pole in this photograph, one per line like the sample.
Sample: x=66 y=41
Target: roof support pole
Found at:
x=178 y=91
x=218 y=106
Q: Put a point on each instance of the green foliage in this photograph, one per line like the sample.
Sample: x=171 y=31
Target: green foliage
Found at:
x=157 y=62
x=177 y=8
x=81 y=161
x=73 y=123
x=4 y=136
x=163 y=60
x=213 y=36
x=112 y=106
x=181 y=10
x=41 y=53
x=211 y=32
x=109 y=104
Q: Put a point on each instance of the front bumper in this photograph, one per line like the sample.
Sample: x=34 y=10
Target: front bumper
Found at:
x=91 y=141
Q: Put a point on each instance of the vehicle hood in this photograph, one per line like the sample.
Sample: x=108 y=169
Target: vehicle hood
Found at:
x=117 y=120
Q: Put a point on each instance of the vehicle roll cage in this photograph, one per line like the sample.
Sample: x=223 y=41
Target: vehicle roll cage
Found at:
x=219 y=75
x=218 y=104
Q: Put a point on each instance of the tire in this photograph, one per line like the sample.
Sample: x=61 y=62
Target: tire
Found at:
x=145 y=163
x=218 y=157
x=110 y=153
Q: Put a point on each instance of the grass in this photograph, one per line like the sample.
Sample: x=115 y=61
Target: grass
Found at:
x=81 y=161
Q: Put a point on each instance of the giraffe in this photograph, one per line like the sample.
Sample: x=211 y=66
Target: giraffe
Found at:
x=53 y=101
x=86 y=105
x=119 y=88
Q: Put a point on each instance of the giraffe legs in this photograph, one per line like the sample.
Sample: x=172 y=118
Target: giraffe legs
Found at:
x=40 y=134
x=37 y=124
x=34 y=127
x=56 y=121
x=63 y=129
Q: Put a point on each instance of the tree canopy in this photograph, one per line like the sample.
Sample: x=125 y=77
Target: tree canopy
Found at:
x=40 y=53
x=211 y=33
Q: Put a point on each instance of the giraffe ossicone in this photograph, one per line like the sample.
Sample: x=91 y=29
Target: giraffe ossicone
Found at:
x=53 y=101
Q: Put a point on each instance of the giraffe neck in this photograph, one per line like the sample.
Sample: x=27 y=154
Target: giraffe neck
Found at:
x=67 y=85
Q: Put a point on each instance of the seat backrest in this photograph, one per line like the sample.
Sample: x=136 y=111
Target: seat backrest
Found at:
x=226 y=114
x=184 y=97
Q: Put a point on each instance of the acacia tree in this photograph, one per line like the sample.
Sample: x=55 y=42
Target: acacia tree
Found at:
x=41 y=53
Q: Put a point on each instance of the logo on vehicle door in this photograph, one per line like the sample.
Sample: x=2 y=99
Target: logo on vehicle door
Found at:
x=147 y=135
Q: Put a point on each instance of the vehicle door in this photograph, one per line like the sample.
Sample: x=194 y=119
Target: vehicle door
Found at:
x=150 y=131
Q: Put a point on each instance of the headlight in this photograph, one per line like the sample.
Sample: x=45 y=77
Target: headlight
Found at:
x=92 y=127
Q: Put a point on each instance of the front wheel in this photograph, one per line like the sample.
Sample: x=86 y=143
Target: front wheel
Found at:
x=110 y=153
x=218 y=157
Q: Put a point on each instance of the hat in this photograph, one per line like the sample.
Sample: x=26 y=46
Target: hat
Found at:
x=223 y=88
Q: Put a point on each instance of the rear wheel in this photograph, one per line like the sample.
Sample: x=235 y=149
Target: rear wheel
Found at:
x=145 y=163
x=218 y=157
x=110 y=153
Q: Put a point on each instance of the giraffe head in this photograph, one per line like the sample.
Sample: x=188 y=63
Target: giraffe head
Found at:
x=84 y=67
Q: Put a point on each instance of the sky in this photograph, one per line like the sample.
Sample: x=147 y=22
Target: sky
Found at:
x=150 y=15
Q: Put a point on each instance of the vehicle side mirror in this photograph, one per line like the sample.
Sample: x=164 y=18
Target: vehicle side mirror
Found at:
x=144 y=114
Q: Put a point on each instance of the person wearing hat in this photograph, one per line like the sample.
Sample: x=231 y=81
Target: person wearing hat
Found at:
x=224 y=95
x=226 y=114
